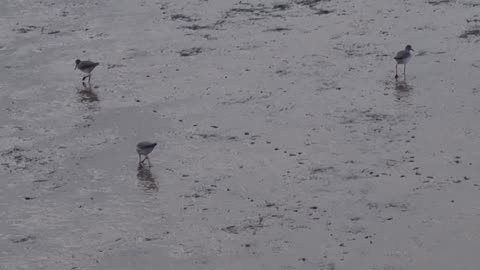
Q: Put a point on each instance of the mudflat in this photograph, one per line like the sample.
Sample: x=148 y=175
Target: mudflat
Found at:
x=284 y=140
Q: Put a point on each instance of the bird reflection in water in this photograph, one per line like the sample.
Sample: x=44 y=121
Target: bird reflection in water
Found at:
x=87 y=95
x=146 y=180
x=403 y=86
x=89 y=103
x=403 y=91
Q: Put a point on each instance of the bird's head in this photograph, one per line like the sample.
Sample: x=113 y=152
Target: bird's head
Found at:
x=409 y=48
x=76 y=63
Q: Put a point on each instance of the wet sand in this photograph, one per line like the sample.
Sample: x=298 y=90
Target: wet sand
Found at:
x=284 y=140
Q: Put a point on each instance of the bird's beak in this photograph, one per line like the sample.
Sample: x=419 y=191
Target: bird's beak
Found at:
x=75 y=67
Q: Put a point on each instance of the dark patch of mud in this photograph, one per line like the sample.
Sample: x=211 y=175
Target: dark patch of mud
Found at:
x=323 y=169
x=358 y=115
x=327 y=174
x=471 y=4
x=403 y=207
x=438 y=2
x=182 y=17
x=197 y=27
x=25 y=29
x=110 y=66
x=214 y=26
x=259 y=9
x=281 y=6
x=277 y=29
x=202 y=191
x=309 y=3
x=247 y=99
x=473 y=20
x=474 y=31
x=313 y=5
x=256 y=12
x=213 y=137
x=251 y=225
x=23 y=239
x=323 y=12
x=327 y=85
x=191 y=51
x=18 y=159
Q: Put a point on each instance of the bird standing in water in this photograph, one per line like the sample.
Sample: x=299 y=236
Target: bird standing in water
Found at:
x=143 y=149
x=86 y=67
x=402 y=58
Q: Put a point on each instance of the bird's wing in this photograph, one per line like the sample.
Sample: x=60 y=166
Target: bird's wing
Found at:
x=145 y=145
x=87 y=64
x=402 y=55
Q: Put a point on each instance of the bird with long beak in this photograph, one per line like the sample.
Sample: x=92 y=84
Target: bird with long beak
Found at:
x=85 y=67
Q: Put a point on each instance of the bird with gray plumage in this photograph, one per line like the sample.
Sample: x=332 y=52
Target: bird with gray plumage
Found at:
x=402 y=58
x=86 y=67
x=143 y=149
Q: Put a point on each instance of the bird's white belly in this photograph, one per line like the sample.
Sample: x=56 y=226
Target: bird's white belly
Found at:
x=404 y=60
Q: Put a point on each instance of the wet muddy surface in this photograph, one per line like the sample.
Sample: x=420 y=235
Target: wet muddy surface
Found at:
x=284 y=140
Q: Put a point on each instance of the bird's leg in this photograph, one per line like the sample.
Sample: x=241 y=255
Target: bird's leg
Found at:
x=146 y=157
x=89 y=76
x=404 y=69
x=149 y=164
x=140 y=164
x=396 y=71
x=83 y=79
